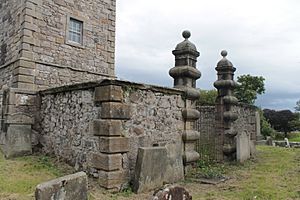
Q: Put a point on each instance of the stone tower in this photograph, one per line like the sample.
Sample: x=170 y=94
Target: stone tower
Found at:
x=51 y=43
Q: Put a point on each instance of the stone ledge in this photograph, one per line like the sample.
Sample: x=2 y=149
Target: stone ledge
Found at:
x=104 y=82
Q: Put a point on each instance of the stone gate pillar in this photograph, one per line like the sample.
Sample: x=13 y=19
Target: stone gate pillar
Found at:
x=185 y=75
x=225 y=99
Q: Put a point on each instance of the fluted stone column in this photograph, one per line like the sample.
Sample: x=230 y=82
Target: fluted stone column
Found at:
x=224 y=114
x=185 y=75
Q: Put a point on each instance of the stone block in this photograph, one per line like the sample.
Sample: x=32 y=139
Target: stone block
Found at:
x=107 y=127
x=23 y=71
x=106 y=162
x=243 y=147
x=71 y=187
x=114 y=144
x=23 y=78
x=17 y=141
x=109 y=93
x=150 y=168
x=172 y=192
x=111 y=180
x=114 y=110
x=19 y=118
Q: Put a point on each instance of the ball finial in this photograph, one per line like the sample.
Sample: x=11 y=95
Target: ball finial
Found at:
x=186 y=34
x=224 y=53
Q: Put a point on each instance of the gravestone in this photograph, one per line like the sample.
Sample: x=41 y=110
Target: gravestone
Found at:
x=71 y=187
x=242 y=147
x=150 y=168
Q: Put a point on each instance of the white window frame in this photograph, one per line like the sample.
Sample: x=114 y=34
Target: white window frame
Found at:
x=80 y=32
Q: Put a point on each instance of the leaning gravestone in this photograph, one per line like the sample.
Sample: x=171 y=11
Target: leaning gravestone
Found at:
x=150 y=168
x=71 y=187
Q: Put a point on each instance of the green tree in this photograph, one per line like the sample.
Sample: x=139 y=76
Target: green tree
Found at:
x=282 y=120
x=249 y=87
x=208 y=97
x=297 y=108
x=265 y=127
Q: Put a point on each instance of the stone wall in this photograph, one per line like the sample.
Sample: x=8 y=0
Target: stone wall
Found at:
x=246 y=121
x=10 y=28
x=10 y=43
x=210 y=144
x=72 y=121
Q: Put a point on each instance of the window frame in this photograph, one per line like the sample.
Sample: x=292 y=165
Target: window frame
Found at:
x=68 y=30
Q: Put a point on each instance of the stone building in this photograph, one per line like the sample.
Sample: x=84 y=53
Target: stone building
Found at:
x=59 y=95
x=47 y=43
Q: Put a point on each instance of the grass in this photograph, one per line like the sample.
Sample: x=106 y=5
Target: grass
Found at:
x=294 y=137
x=273 y=175
x=19 y=177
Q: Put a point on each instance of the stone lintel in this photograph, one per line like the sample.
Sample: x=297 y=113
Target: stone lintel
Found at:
x=115 y=110
x=106 y=162
x=107 y=127
x=114 y=144
x=109 y=93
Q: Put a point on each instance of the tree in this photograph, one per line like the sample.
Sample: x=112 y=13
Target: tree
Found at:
x=283 y=120
x=265 y=127
x=208 y=97
x=249 y=87
x=297 y=108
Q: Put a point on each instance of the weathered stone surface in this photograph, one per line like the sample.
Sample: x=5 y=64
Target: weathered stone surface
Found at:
x=190 y=114
x=107 y=127
x=17 y=141
x=150 y=168
x=243 y=147
x=71 y=187
x=113 y=110
x=113 y=144
x=111 y=180
x=107 y=162
x=109 y=93
x=172 y=193
x=19 y=118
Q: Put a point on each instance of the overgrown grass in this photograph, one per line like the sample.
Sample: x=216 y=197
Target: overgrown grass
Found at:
x=19 y=177
x=275 y=175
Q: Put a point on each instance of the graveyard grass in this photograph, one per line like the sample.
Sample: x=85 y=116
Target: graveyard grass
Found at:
x=273 y=175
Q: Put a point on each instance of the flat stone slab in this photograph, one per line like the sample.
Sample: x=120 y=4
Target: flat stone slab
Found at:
x=71 y=187
x=150 y=168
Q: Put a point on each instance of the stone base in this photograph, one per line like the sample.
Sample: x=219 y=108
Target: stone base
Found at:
x=17 y=141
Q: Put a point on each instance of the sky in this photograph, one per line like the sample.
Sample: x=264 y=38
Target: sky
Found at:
x=262 y=38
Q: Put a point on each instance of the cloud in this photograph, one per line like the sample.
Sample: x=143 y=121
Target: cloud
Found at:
x=262 y=38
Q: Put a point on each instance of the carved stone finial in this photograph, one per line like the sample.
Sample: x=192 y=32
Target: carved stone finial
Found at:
x=224 y=53
x=186 y=34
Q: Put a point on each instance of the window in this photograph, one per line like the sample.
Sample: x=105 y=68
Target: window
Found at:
x=75 y=31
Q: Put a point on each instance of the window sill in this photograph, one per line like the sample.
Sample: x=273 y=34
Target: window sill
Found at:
x=74 y=44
